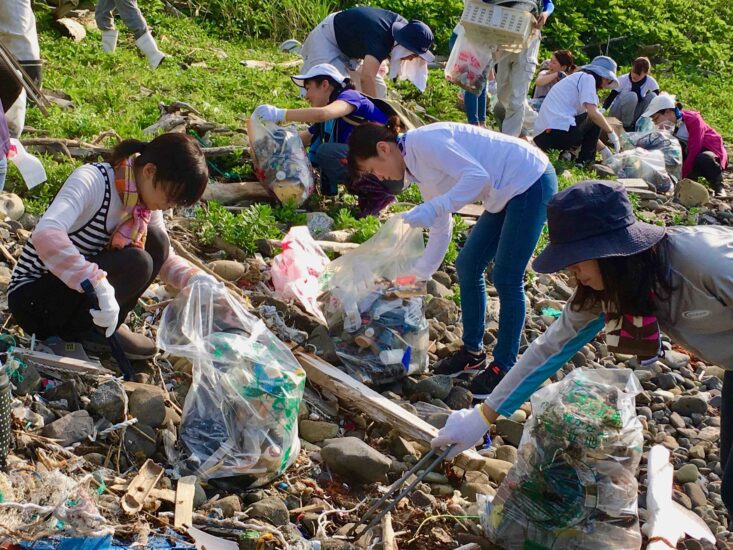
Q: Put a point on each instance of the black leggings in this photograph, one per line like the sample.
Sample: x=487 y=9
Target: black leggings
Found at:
x=47 y=307
x=707 y=165
x=585 y=134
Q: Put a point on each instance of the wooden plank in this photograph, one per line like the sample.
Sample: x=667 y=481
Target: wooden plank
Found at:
x=141 y=486
x=472 y=211
x=184 y=501
x=377 y=406
x=60 y=362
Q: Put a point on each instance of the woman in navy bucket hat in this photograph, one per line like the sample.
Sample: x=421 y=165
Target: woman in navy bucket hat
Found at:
x=634 y=281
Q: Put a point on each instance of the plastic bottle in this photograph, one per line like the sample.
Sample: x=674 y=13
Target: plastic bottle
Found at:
x=391 y=356
x=29 y=166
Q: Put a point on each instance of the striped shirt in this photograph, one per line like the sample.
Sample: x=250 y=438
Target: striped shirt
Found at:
x=77 y=226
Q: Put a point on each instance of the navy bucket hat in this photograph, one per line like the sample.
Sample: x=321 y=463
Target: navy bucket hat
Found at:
x=416 y=36
x=591 y=220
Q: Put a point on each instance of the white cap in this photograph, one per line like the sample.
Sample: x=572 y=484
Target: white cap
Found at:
x=660 y=103
x=322 y=69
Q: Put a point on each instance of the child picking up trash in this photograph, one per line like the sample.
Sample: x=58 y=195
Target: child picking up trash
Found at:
x=105 y=226
x=336 y=109
x=703 y=151
x=455 y=165
x=635 y=91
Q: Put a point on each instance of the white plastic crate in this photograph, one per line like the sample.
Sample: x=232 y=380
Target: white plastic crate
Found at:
x=507 y=27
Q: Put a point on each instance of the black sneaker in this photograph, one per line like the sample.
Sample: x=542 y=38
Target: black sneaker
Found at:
x=460 y=363
x=136 y=346
x=482 y=386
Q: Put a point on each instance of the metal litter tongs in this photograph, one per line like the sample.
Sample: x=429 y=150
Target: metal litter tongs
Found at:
x=436 y=456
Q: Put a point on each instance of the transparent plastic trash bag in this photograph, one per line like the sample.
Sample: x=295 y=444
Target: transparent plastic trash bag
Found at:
x=469 y=62
x=640 y=163
x=280 y=160
x=574 y=484
x=658 y=139
x=296 y=270
x=374 y=309
x=240 y=417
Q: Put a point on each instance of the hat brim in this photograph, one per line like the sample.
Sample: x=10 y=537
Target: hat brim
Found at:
x=603 y=73
x=626 y=241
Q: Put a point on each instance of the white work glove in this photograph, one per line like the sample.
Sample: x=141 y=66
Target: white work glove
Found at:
x=491 y=87
x=202 y=277
x=109 y=310
x=422 y=215
x=615 y=142
x=269 y=113
x=465 y=429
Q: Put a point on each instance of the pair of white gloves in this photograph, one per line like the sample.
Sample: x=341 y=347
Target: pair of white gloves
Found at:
x=109 y=310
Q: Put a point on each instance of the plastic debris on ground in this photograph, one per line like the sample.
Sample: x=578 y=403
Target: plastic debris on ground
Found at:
x=240 y=417
x=296 y=271
x=375 y=310
x=574 y=483
x=280 y=161
x=469 y=62
x=640 y=163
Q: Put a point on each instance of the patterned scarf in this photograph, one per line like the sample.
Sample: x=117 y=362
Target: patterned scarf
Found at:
x=133 y=227
x=632 y=334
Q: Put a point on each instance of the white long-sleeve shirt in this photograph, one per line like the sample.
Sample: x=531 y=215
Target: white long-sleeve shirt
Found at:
x=458 y=164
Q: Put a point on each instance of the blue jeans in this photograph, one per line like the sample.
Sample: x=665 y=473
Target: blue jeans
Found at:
x=474 y=105
x=3 y=172
x=508 y=237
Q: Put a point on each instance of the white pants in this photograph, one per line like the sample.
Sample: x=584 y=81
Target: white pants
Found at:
x=321 y=47
x=18 y=29
x=514 y=74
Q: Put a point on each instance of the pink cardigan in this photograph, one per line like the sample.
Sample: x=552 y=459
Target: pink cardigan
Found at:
x=702 y=138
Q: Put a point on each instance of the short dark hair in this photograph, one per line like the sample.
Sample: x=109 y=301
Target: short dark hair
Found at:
x=597 y=78
x=641 y=65
x=632 y=283
x=180 y=165
x=364 y=138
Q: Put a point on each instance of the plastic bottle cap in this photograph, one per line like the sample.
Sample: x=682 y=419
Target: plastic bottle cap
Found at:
x=280 y=175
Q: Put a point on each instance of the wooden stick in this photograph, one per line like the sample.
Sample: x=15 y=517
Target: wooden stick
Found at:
x=8 y=255
x=228 y=193
x=388 y=536
x=185 y=492
x=140 y=487
x=65 y=363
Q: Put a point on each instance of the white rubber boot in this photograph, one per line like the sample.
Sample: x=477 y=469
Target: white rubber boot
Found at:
x=147 y=45
x=109 y=41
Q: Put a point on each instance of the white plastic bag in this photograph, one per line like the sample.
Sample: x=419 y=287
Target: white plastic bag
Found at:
x=296 y=271
x=240 y=417
x=574 y=484
x=375 y=317
x=469 y=62
x=280 y=161
x=658 y=139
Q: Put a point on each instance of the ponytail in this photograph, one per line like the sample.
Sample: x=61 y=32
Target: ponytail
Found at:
x=363 y=141
x=180 y=165
x=126 y=149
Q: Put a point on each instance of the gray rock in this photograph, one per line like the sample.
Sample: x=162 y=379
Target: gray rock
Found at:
x=497 y=469
x=71 y=428
x=469 y=491
x=228 y=505
x=666 y=381
x=437 y=419
x=692 y=194
x=646 y=412
x=349 y=456
x=30 y=383
x=146 y=403
x=271 y=510
x=199 y=495
x=443 y=310
x=420 y=499
x=141 y=445
x=695 y=493
x=402 y=447
x=443 y=278
x=686 y=405
x=65 y=391
x=459 y=398
x=681 y=498
x=676 y=421
x=509 y=430
x=507 y=453
x=688 y=473
x=107 y=401
x=518 y=416
x=675 y=359
x=696 y=451
x=437 y=386
x=438 y=290
x=314 y=431
x=710 y=433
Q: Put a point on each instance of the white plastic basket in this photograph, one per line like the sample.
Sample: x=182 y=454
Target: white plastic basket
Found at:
x=508 y=28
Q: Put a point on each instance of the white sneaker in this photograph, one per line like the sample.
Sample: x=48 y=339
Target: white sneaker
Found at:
x=109 y=41
x=147 y=45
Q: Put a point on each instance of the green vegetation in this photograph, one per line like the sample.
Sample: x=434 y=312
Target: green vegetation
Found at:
x=242 y=230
